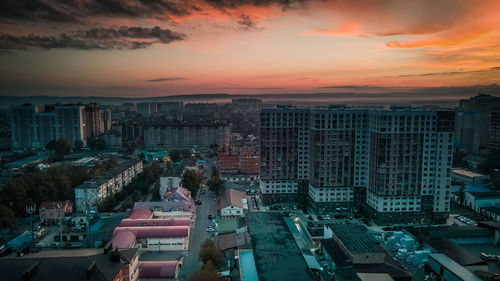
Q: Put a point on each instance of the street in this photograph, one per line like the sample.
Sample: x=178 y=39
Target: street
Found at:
x=191 y=263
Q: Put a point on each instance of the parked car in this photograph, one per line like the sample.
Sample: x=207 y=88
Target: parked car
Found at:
x=210 y=229
x=210 y=217
x=197 y=202
x=320 y=218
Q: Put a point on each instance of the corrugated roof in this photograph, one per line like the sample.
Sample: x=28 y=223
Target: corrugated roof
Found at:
x=158 y=269
x=141 y=213
x=155 y=222
x=123 y=239
x=355 y=238
x=156 y=231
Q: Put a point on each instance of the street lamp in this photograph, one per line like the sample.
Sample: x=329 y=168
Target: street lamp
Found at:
x=30 y=209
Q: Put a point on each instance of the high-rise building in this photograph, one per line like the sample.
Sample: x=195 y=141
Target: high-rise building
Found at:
x=476 y=110
x=495 y=129
x=400 y=157
x=93 y=121
x=70 y=123
x=106 y=119
x=23 y=126
x=45 y=127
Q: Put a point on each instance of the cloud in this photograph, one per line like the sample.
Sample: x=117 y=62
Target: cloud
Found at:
x=93 y=39
x=165 y=79
x=492 y=69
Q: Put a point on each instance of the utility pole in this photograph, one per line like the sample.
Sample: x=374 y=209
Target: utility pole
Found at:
x=59 y=207
x=30 y=209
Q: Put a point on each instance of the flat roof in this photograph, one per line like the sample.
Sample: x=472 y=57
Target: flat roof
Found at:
x=454 y=267
x=467 y=173
x=355 y=238
x=248 y=270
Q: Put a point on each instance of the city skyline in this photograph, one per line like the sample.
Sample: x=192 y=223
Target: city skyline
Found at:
x=160 y=48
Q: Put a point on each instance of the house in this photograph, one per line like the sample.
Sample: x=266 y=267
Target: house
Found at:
x=232 y=203
x=52 y=211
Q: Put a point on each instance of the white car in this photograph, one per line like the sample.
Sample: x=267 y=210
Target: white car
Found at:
x=210 y=229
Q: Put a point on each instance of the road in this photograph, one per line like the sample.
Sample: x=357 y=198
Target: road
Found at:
x=191 y=263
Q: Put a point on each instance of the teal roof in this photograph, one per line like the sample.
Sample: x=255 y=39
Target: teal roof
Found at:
x=248 y=270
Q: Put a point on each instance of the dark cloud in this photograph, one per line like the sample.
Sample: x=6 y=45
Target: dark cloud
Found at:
x=77 y=11
x=166 y=79
x=93 y=39
x=493 y=69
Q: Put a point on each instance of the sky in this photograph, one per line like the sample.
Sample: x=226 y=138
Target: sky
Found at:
x=141 y=48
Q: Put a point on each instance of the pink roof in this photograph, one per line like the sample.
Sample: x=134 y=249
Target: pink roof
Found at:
x=123 y=239
x=154 y=222
x=156 y=231
x=141 y=213
x=157 y=269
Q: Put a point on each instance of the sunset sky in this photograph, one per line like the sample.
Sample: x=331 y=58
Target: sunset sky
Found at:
x=158 y=48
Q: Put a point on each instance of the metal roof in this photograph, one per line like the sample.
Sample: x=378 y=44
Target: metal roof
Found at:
x=355 y=238
x=454 y=267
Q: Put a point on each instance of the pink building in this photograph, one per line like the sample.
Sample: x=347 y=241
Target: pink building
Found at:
x=55 y=210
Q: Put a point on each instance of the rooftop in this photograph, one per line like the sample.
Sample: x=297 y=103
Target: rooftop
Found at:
x=355 y=238
x=231 y=197
x=71 y=265
x=467 y=173
x=486 y=195
x=454 y=267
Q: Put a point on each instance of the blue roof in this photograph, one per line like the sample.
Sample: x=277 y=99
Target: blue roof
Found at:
x=248 y=270
x=96 y=226
x=312 y=262
x=20 y=241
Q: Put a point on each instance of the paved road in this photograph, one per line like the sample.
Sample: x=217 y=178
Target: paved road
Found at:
x=191 y=263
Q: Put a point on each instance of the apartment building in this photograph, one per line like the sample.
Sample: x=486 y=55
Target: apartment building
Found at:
x=91 y=193
x=401 y=159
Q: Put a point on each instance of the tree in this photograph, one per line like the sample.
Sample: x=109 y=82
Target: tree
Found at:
x=175 y=155
x=100 y=144
x=7 y=218
x=78 y=145
x=216 y=185
x=191 y=180
x=51 y=145
x=207 y=273
x=62 y=149
x=209 y=252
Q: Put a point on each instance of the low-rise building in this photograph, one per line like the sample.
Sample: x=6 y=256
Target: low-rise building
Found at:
x=72 y=265
x=232 y=202
x=467 y=177
x=478 y=200
x=171 y=179
x=91 y=193
x=55 y=210
x=448 y=269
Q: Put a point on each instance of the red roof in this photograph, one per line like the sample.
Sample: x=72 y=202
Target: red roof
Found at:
x=141 y=213
x=156 y=231
x=158 y=269
x=154 y=222
x=47 y=205
x=231 y=197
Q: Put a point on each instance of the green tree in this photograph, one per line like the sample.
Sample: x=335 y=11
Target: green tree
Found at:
x=78 y=145
x=100 y=144
x=191 y=180
x=207 y=273
x=175 y=155
x=216 y=185
x=62 y=149
x=209 y=252
x=8 y=218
